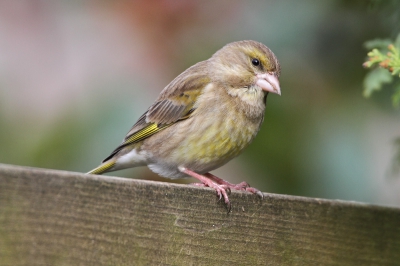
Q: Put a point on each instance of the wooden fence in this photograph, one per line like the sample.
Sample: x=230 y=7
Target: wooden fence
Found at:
x=50 y=217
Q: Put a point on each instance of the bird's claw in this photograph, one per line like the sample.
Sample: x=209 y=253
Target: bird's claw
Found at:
x=222 y=187
x=222 y=192
x=255 y=191
x=242 y=186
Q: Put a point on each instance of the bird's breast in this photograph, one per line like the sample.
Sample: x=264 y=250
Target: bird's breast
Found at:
x=218 y=130
x=214 y=140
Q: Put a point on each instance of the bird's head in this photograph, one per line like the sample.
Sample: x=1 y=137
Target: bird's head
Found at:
x=246 y=65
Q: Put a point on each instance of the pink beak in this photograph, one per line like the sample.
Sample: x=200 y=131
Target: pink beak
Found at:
x=269 y=82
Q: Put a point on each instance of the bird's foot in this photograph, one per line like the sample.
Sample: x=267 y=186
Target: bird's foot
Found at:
x=221 y=189
x=243 y=186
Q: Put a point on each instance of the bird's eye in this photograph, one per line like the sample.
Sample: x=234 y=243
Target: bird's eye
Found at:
x=255 y=62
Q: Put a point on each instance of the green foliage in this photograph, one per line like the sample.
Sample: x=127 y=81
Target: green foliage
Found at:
x=375 y=79
x=384 y=59
x=384 y=62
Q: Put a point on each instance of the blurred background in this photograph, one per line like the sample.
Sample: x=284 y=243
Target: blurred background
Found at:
x=75 y=76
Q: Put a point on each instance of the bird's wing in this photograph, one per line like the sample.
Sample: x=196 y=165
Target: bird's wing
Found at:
x=175 y=103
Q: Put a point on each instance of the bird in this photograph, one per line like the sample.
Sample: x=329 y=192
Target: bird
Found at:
x=203 y=118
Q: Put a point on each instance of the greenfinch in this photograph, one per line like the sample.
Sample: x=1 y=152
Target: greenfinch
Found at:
x=205 y=117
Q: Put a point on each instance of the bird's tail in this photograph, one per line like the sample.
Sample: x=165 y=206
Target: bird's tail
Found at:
x=102 y=168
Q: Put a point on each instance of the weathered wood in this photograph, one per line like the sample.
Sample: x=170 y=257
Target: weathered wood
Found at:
x=60 y=218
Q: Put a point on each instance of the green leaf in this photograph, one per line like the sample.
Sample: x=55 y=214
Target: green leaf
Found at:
x=375 y=79
x=396 y=70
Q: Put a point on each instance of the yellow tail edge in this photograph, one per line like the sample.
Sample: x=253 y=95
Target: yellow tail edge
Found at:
x=101 y=169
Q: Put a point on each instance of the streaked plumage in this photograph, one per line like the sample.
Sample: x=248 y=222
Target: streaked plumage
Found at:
x=205 y=117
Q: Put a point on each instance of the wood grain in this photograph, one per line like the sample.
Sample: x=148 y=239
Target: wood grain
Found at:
x=52 y=217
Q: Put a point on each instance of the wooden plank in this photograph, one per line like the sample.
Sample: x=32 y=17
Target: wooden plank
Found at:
x=61 y=218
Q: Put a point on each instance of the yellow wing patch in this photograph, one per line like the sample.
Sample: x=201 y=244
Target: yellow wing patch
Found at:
x=102 y=168
x=140 y=135
x=151 y=129
x=144 y=133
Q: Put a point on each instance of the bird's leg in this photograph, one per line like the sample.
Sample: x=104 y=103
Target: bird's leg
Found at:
x=221 y=189
x=244 y=186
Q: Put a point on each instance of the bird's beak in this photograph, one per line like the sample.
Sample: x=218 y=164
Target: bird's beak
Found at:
x=269 y=82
